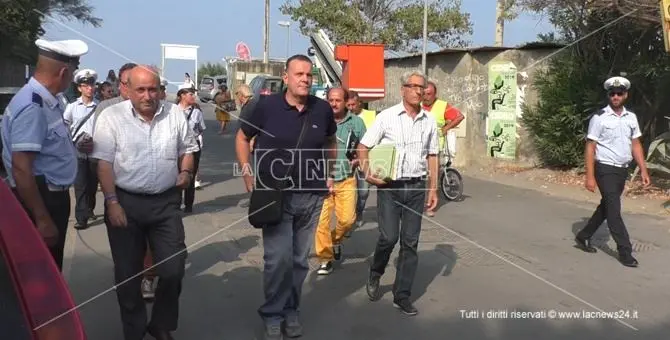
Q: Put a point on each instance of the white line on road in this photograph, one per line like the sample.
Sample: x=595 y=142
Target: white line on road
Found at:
x=515 y=265
x=68 y=252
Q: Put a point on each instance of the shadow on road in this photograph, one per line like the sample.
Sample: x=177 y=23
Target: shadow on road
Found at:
x=599 y=239
x=223 y=306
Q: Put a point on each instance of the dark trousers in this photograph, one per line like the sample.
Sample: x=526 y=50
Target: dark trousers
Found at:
x=155 y=218
x=58 y=206
x=363 y=191
x=189 y=193
x=611 y=181
x=286 y=248
x=85 y=188
x=399 y=222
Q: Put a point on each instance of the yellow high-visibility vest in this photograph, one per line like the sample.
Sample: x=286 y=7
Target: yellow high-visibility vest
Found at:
x=437 y=110
x=368 y=116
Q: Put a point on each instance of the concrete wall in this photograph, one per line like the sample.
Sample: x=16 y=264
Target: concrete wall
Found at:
x=462 y=78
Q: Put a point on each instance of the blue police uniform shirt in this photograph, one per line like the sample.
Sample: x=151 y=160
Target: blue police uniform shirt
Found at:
x=33 y=122
x=75 y=113
x=276 y=125
x=613 y=135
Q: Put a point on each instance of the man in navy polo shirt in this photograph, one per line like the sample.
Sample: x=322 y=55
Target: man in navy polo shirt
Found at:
x=276 y=123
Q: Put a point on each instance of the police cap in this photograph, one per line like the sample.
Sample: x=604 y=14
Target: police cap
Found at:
x=66 y=51
x=86 y=76
x=617 y=83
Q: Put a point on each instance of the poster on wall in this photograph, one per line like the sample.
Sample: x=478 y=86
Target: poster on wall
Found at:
x=501 y=120
x=501 y=134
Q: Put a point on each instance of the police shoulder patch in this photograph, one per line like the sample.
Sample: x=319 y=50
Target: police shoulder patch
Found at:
x=37 y=99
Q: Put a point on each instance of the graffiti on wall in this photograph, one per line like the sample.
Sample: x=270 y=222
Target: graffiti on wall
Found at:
x=463 y=92
x=502 y=110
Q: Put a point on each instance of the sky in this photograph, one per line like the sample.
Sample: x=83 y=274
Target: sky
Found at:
x=217 y=26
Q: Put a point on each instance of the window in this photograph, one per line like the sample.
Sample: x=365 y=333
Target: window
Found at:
x=255 y=83
x=273 y=85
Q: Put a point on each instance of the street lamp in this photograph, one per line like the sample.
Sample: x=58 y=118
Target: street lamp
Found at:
x=286 y=24
x=425 y=36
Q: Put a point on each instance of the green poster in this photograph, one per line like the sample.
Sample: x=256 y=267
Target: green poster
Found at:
x=501 y=120
x=501 y=134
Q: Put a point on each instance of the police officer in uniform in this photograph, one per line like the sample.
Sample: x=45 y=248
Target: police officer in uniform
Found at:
x=79 y=117
x=613 y=141
x=38 y=152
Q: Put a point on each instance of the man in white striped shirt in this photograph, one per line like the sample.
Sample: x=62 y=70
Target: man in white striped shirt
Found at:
x=144 y=148
x=401 y=200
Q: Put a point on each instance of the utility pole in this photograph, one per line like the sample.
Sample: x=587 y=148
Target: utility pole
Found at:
x=425 y=36
x=500 y=23
x=266 y=36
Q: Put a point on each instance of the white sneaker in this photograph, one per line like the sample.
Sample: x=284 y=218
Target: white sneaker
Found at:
x=325 y=268
x=197 y=184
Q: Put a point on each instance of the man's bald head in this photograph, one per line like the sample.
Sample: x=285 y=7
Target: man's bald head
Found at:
x=143 y=73
x=54 y=74
x=144 y=89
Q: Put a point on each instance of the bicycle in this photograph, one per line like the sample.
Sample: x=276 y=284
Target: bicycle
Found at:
x=450 y=180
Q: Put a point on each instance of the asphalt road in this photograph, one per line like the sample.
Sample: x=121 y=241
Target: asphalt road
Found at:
x=502 y=249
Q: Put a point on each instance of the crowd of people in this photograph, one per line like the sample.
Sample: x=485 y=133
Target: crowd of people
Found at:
x=144 y=153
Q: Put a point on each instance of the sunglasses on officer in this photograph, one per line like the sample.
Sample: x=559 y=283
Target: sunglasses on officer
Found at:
x=616 y=93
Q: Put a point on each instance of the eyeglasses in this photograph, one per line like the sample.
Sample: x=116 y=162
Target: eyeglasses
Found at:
x=616 y=94
x=415 y=87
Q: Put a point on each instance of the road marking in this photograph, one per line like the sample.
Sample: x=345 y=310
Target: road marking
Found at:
x=68 y=252
x=514 y=264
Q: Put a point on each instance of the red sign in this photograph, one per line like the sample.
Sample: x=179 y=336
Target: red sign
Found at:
x=243 y=51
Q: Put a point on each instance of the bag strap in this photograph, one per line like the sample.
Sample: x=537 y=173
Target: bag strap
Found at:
x=190 y=113
x=83 y=121
x=300 y=138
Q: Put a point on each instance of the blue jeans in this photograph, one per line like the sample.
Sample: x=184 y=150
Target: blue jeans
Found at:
x=286 y=250
x=399 y=222
x=363 y=190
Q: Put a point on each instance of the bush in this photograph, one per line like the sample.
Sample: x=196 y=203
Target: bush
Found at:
x=570 y=89
x=568 y=96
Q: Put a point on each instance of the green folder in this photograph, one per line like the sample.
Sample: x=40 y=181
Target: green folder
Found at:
x=382 y=161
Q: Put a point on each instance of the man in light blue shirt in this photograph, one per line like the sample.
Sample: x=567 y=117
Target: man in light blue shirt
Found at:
x=613 y=141
x=79 y=117
x=38 y=152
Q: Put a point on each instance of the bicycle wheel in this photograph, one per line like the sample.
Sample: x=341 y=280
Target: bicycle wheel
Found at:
x=451 y=184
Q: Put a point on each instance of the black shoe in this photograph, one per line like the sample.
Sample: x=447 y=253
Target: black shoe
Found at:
x=337 y=252
x=81 y=225
x=93 y=216
x=188 y=210
x=372 y=287
x=628 y=260
x=585 y=245
x=325 y=268
x=405 y=306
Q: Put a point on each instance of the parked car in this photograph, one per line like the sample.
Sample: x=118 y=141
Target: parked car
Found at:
x=36 y=303
x=209 y=85
x=265 y=85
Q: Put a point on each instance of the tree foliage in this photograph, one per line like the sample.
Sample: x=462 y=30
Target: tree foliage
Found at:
x=604 y=42
x=211 y=69
x=21 y=23
x=396 y=23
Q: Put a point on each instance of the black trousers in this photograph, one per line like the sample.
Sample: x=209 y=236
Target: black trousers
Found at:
x=156 y=219
x=189 y=193
x=58 y=206
x=611 y=181
x=399 y=222
x=85 y=188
